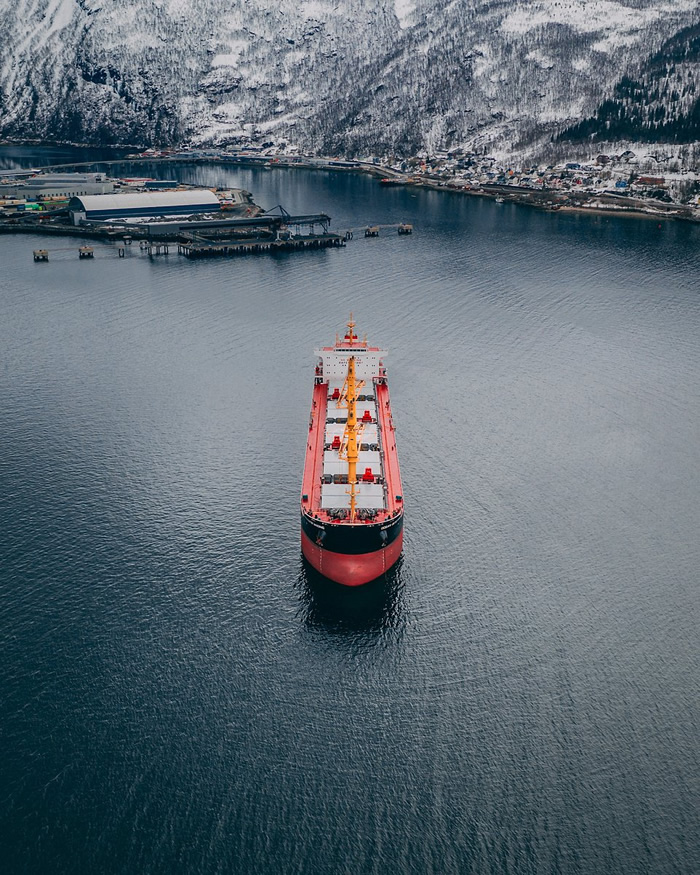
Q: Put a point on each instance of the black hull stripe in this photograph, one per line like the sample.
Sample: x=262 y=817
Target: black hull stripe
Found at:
x=362 y=538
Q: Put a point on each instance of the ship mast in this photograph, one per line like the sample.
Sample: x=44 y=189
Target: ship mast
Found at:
x=351 y=337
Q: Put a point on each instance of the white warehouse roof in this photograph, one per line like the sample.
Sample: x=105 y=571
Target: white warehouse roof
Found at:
x=153 y=201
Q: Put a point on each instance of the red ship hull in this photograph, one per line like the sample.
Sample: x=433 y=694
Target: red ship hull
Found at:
x=351 y=569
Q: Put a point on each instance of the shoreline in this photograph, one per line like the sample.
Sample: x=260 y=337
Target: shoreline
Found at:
x=546 y=199
x=552 y=201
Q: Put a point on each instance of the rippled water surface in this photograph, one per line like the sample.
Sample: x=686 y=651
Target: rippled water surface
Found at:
x=519 y=696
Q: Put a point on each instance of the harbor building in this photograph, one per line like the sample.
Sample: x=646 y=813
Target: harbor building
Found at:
x=134 y=205
x=52 y=186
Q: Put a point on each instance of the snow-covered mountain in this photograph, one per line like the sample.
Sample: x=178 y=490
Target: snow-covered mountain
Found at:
x=660 y=104
x=361 y=76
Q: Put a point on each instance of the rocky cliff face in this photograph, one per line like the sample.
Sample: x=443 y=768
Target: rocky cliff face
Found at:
x=363 y=76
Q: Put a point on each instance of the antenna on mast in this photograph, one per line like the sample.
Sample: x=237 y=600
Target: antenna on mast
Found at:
x=351 y=336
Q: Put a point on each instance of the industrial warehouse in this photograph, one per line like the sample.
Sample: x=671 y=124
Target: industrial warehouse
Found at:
x=133 y=205
x=56 y=186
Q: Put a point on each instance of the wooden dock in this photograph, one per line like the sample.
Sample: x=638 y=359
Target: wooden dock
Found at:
x=206 y=249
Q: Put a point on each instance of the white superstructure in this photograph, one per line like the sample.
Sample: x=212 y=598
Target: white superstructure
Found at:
x=335 y=361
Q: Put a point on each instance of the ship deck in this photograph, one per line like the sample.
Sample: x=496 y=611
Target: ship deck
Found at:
x=325 y=491
x=370 y=492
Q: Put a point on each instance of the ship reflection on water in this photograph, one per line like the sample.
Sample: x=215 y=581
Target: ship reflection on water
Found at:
x=373 y=608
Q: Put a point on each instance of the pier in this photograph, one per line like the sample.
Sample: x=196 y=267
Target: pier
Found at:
x=220 y=239
x=271 y=232
x=276 y=231
x=202 y=248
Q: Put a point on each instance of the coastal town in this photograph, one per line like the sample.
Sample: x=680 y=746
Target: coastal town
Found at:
x=609 y=183
x=651 y=181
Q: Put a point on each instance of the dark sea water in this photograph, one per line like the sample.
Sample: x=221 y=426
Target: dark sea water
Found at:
x=521 y=695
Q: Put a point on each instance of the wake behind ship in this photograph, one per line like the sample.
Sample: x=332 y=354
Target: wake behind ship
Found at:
x=351 y=501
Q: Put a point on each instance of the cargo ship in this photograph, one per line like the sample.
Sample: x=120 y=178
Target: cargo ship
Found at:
x=351 y=497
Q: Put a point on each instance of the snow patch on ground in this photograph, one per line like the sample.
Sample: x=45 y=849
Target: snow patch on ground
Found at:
x=614 y=41
x=287 y=120
x=230 y=109
x=231 y=58
x=291 y=58
x=59 y=14
x=313 y=9
x=482 y=60
x=559 y=112
x=591 y=16
x=540 y=59
x=404 y=10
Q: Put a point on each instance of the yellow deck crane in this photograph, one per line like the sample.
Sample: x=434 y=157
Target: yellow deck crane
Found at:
x=351 y=435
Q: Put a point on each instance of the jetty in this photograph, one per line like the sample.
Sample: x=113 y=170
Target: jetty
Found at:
x=271 y=232
x=200 y=247
x=276 y=231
